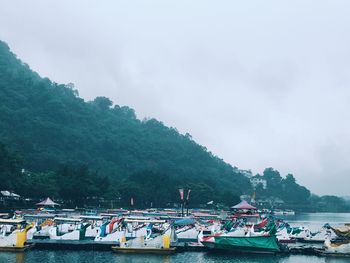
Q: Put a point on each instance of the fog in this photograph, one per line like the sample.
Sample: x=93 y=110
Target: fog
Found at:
x=259 y=83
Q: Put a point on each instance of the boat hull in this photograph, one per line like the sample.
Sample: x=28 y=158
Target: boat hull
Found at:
x=144 y=250
x=16 y=249
x=331 y=254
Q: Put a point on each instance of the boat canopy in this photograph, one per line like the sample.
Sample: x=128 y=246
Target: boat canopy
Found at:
x=204 y=215
x=185 y=221
x=66 y=219
x=156 y=214
x=39 y=216
x=91 y=217
x=68 y=210
x=138 y=218
x=11 y=221
x=109 y=215
x=129 y=220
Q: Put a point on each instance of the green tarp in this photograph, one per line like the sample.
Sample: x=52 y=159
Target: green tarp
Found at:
x=245 y=244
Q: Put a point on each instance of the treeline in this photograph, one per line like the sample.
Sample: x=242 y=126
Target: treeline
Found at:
x=48 y=125
x=296 y=196
x=76 y=150
x=78 y=186
x=285 y=188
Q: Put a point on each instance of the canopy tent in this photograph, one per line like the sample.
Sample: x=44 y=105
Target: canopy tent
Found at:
x=243 y=205
x=47 y=202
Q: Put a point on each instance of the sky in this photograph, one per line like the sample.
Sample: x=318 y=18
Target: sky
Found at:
x=259 y=83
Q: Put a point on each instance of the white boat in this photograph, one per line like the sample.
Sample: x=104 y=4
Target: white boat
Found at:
x=13 y=240
x=187 y=233
x=336 y=249
x=307 y=236
x=68 y=229
x=130 y=228
x=94 y=224
x=288 y=213
x=283 y=236
x=41 y=225
x=278 y=212
x=110 y=231
x=158 y=244
x=209 y=231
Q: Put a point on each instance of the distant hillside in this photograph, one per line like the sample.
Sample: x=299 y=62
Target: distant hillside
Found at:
x=49 y=125
x=80 y=151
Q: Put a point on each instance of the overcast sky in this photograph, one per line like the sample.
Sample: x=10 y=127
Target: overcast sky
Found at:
x=259 y=83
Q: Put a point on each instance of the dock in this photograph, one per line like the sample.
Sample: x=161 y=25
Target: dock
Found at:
x=71 y=244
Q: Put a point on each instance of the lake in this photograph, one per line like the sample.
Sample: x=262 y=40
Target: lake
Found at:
x=313 y=220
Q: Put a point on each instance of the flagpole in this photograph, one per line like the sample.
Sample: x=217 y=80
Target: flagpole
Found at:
x=187 y=200
x=181 y=191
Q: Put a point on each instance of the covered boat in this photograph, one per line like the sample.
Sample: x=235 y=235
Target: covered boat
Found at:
x=244 y=244
x=251 y=242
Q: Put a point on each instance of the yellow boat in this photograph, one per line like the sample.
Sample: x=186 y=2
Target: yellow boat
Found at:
x=13 y=235
x=16 y=249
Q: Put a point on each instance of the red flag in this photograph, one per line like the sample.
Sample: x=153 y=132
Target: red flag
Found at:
x=181 y=194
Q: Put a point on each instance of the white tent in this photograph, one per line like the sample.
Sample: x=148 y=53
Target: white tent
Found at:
x=47 y=202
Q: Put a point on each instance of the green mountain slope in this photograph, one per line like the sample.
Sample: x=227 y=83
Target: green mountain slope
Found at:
x=48 y=125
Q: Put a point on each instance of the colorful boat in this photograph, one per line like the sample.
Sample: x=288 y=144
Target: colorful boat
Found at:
x=13 y=235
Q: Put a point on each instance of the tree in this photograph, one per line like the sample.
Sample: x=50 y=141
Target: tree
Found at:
x=103 y=103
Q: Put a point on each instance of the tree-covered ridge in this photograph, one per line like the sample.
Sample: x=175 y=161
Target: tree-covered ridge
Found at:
x=76 y=150
x=285 y=188
x=48 y=125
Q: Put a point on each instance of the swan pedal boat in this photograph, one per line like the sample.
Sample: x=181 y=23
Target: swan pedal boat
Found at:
x=16 y=239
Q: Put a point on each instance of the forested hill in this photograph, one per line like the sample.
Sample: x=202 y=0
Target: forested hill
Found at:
x=47 y=125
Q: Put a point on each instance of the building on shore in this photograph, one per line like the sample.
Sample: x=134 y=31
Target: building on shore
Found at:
x=256 y=180
x=9 y=198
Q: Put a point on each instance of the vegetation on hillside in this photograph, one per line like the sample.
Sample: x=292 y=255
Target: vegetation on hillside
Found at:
x=76 y=150
x=49 y=126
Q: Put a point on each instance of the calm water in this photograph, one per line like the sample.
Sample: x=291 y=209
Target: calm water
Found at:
x=106 y=257
x=312 y=220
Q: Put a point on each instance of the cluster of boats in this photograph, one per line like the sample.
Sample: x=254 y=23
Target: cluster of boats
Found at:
x=166 y=232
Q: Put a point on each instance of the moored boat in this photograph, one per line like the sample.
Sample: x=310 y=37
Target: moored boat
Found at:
x=338 y=249
x=245 y=244
x=68 y=229
x=159 y=244
x=15 y=239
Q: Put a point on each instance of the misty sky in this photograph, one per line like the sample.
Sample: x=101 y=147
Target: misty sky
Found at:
x=259 y=83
